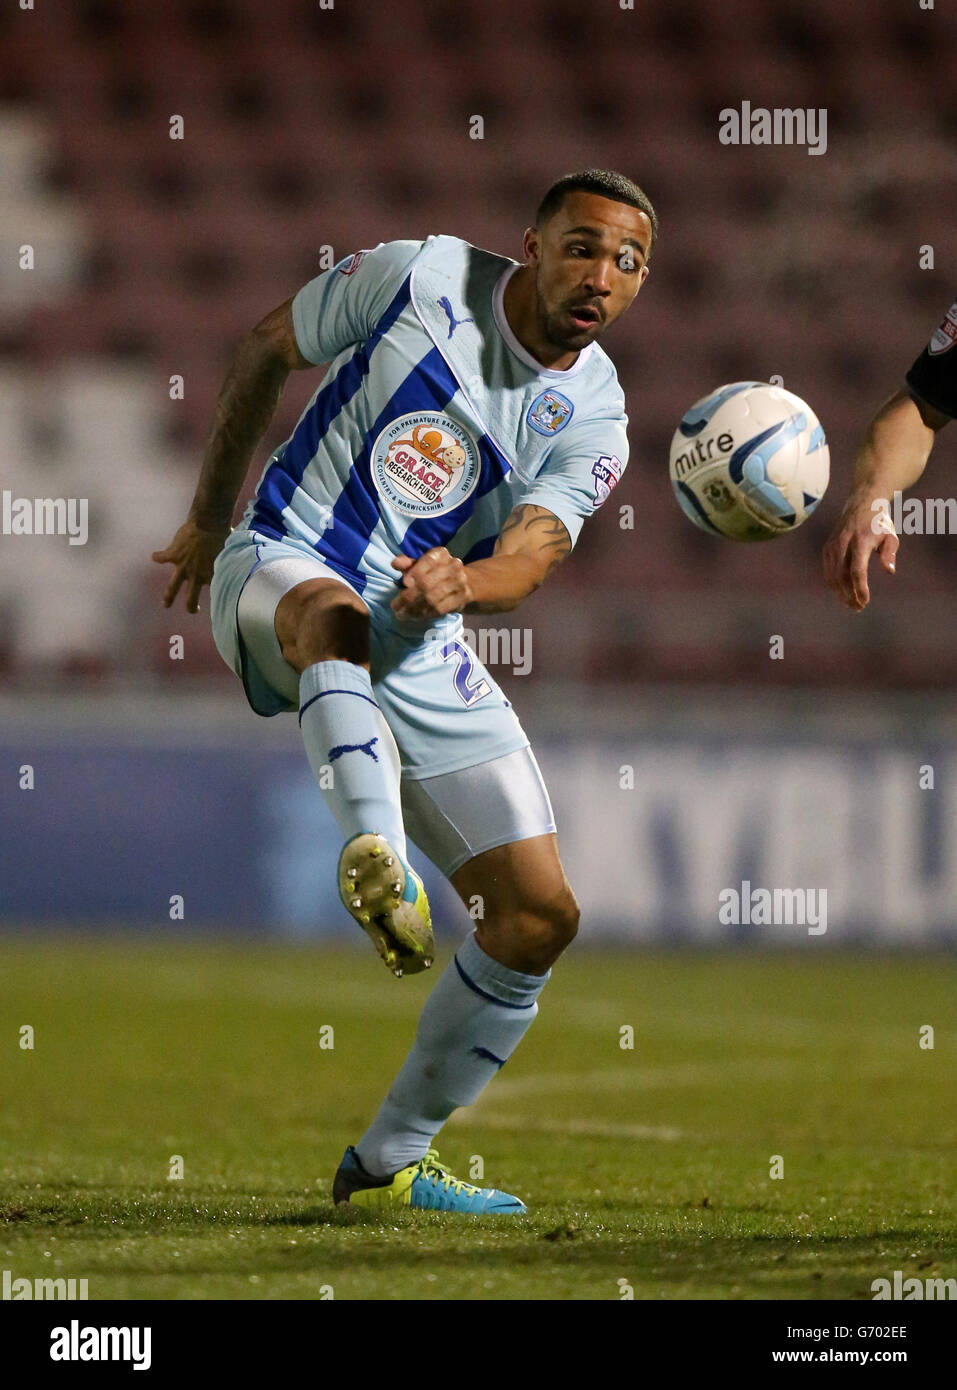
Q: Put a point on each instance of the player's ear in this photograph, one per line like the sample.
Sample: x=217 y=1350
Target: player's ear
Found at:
x=531 y=244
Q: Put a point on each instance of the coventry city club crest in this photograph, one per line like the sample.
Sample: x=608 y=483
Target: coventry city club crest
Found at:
x=549 y=412
x=425 y=464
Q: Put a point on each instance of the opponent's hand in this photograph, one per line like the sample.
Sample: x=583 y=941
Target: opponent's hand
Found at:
x=434 y=584
x=193 y=551
x=860 y=533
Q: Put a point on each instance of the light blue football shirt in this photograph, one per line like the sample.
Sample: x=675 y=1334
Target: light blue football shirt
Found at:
x=432 y=422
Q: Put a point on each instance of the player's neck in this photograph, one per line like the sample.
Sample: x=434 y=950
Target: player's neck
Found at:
x=520 y=304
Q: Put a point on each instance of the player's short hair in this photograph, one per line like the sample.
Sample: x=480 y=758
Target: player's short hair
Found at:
x=607 y=184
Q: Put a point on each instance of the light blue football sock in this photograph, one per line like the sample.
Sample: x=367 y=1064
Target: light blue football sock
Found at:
x=351 y=750
x=472 y=1022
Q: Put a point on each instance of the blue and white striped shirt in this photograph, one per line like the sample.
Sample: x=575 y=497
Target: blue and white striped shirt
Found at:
x=432 y=422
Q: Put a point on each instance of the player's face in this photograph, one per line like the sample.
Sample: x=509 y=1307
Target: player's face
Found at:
x=589 y=262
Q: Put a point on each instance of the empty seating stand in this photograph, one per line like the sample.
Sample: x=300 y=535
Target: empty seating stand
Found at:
x=307 y=127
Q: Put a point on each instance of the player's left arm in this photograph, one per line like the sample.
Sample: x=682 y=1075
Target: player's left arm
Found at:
x=896 y=447
x=891 y=458
x=531 y=543
x=579 y=474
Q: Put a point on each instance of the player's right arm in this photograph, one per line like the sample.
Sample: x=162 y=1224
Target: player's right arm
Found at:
x=247 y=403
x=334 y=311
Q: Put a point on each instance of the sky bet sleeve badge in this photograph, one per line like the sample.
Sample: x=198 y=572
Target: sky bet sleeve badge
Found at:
x=606 y=471
x=946 y=335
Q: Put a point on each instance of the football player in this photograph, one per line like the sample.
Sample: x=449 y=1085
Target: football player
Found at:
x=469 y=423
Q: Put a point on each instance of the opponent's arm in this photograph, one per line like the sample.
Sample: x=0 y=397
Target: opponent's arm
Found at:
x=532 y=542
x=891 y=458
x=246 y=404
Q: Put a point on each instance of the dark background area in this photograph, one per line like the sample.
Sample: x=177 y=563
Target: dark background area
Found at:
x=306 y=127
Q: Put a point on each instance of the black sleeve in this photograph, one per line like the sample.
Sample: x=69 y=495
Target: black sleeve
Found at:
x=933 y=376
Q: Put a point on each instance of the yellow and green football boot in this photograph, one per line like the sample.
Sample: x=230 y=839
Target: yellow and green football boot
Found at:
x=387 y=899
x=426 y=1186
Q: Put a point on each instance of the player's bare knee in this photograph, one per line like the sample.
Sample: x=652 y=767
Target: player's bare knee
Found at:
x=324 y=627
x=534 y=938
x=540 y=941
x=563 y=918
x=336 y=632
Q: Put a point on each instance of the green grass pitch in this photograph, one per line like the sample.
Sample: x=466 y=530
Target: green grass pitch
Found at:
x=649 y=1166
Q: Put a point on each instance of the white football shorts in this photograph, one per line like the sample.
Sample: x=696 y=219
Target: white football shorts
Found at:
x=470 y=781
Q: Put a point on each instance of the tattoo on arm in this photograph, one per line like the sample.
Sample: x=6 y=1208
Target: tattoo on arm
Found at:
x=246 y=405
x=538 y=527
x=279 y=331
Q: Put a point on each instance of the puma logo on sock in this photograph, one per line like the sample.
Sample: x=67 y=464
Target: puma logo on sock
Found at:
x=341 y=748
x=489 y=1056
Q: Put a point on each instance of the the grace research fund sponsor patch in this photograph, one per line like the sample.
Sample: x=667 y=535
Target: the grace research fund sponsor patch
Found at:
x=606 y=471
x=549 y=412
x=424 y=464
x=946 y=335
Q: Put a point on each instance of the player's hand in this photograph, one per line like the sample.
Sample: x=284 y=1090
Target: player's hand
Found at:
x=434 y=584
x=192 y=551
x=861 y=532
